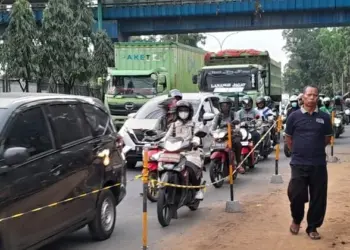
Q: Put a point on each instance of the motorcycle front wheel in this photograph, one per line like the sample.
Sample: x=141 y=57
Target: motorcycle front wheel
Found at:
x=153 y=190
x=164 y=212
x=215 y=173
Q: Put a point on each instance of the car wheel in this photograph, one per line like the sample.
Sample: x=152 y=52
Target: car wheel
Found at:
x=102 y=226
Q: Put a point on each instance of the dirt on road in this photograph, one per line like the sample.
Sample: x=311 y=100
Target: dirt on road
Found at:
x=264 y=222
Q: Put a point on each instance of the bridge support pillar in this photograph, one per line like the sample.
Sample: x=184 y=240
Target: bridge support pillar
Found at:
x=99 y=15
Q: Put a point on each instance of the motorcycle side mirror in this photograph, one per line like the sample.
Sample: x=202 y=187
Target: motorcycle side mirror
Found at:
x=235 y=122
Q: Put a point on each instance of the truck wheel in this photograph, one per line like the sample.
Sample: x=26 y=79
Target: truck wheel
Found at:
x=102 y=226
x=131 y=164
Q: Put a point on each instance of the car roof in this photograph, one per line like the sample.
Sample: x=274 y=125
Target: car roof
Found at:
x=16 y=99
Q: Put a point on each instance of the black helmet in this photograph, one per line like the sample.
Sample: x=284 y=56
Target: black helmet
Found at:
x=183 y=105
x=227 y=101
x=337 y=100
x=259 y=100
x=247 y=102
x=175 y=93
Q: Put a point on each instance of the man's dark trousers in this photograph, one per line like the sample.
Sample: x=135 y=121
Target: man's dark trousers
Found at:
x=315 y=179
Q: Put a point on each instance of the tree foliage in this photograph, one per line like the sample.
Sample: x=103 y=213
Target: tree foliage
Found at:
x=103 y=54
x=317 y=56
x=189 y=39
x=66 y=48
x=20 y=44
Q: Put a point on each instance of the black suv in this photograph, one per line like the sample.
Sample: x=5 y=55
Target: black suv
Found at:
x=50 y=150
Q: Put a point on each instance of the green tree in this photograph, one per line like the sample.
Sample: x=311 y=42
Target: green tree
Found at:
x=19 y=48
x=65 y=46
x=103 y=55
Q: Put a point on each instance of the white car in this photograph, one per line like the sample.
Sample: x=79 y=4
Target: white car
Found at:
x=149 y=116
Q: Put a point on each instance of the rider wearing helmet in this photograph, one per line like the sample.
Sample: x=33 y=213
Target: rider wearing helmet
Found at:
x=347 y=102
x=300 y=100
x=184 y=127
x=338 y=104
x=247 y=111
x=327 y=108
x=176 y=94
x=294 y=104
x=269 y=103
x=261 y=107
x=170 y=105
x=225 y=116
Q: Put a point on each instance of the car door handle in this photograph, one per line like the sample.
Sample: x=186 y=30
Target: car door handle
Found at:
x=56 y=169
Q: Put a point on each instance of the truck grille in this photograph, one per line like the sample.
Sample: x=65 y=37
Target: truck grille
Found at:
x=121 y=110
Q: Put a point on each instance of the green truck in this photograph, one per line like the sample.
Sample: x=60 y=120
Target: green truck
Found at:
x=235 y=73
x=146 y=69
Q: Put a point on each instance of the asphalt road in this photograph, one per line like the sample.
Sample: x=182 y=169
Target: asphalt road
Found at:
x=127 y=234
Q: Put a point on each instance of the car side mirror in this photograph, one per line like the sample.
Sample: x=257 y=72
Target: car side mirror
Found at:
x=15 y=155
x=194 y=79
x=208 y=116
x=132 y=115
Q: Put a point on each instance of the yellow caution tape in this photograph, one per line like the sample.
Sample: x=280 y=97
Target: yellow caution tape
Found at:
x=63 y=201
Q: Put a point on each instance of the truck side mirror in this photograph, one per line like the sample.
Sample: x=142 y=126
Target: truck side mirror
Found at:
x=194 y=79
x=161 y=79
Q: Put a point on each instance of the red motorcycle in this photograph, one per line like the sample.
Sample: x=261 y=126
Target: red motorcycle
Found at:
x=219 y=158
x=152 y=139
x=247 y=147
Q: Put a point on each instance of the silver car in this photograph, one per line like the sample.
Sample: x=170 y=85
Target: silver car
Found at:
x=150 y=115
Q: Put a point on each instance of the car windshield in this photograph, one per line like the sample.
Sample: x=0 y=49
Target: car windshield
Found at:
x=151 y=109
x=132 y=85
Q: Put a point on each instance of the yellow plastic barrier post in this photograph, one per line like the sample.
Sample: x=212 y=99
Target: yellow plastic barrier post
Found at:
x=232 y=205
x=145 y=189
x=229 y=130
x=277 y=178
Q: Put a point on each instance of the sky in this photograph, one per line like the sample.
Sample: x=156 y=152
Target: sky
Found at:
x=270 y=40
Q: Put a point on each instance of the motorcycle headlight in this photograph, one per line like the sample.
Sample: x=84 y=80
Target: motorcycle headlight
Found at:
x=155 y=157
x=172 y=146
x=219 y=135
x=244 y=134
x=347 y=112
x=337 y=121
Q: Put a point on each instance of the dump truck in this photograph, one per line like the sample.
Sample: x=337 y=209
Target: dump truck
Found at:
x=236 y=73
x=147 y=69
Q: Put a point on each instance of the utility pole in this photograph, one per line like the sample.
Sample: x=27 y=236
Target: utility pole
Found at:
x=99 y=14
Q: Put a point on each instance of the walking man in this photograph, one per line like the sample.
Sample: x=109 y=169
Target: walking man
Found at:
x=308 y=132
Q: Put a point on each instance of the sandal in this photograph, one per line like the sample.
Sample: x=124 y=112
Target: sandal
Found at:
x=294 y=228
x=314 y=235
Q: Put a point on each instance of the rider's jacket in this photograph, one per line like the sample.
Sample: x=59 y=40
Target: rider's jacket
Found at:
x=291 y=110
x=264 y=112
x=183 y=130
x=252 y=113
x=221 y=120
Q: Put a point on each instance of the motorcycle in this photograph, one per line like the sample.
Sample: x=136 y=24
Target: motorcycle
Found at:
x=220 y=157
x=347 y=115
x=247 y=146
x=338 y=124
x=267 y=143
x=172 y=163
x=152 y=139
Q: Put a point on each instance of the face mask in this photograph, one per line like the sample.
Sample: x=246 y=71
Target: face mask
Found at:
x=183 y=115
x=294 y=104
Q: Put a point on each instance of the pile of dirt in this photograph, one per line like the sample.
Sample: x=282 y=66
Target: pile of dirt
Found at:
x=264 y=222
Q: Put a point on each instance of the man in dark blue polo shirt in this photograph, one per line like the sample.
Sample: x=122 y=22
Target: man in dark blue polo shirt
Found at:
x=308 y=132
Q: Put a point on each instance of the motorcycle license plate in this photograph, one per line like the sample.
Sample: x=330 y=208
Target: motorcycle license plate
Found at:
x=168 y=157
x=219 y=145
x=244 y=143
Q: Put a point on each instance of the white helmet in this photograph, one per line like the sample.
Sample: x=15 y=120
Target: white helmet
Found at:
x=326 y=99
x=293 y=98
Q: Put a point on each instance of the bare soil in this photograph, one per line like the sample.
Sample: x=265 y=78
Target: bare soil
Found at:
x=264 y=222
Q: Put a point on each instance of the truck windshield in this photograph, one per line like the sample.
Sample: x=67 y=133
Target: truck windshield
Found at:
x=228 y=78
x=132 y=85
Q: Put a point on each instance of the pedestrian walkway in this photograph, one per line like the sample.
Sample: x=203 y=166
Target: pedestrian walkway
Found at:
x=264 y=224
